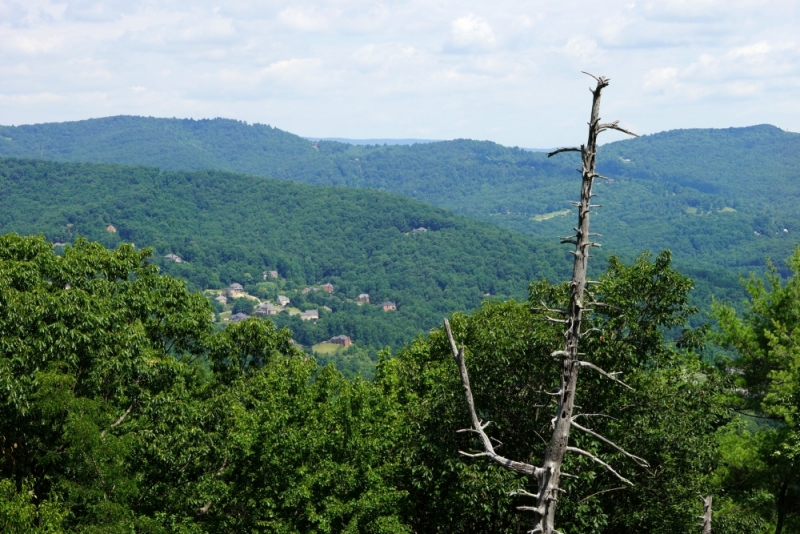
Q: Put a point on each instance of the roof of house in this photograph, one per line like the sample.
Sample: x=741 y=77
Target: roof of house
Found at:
x=308 y=313
x=235 y=286
x=238 y=317
x=363 y=295
x=342 y=337
x=388 y=303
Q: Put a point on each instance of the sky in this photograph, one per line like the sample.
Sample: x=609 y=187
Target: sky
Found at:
x=502 y=70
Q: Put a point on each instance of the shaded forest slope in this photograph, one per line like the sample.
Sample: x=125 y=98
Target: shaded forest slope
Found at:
x=230 y=228
x=717 y=198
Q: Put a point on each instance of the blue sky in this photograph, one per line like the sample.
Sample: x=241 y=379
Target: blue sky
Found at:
x=505 y=70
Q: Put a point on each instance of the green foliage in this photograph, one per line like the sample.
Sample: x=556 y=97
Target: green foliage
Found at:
x=225 y=226
x=19 y=515
x=669 y=419
x=698 y=192
x=243 y=305
x=122 y=411
x=762 y=461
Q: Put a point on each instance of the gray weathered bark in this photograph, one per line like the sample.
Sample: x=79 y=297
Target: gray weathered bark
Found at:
x=706 y=517
x=549 y=475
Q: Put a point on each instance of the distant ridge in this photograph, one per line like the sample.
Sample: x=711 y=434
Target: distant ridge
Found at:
x=397 y=142
x=379 y=142
x=720 y=199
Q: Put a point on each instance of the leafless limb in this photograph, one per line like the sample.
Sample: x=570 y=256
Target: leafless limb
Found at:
x=477 y=426
x=120 y=420
x=706 y=517
x=560 y=150
x=606 y=374
x=601 y=462
x=595 y=494
x=614 y=126
x=640 y=461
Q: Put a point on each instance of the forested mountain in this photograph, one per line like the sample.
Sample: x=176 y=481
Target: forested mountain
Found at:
x=230 y=228
x=720 y=199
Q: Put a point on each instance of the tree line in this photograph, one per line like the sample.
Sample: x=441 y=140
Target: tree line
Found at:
x=122 y=409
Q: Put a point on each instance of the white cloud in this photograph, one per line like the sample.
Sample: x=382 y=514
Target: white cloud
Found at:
x=471 y=33
x=382 y=68
x=307 y=20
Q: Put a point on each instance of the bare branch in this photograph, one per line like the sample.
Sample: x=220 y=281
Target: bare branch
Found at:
x=560 y=150
x=520 y=491
x=604 y=373
x=593 y=415
x=600 y=492
x=477 y=426
x=601 y=462
x=592 y=75
x=614 y=126
x=640 y=461
x=120 y=420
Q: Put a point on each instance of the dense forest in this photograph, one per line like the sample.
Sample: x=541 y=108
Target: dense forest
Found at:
x=719 y=199
x=123 y=410
x=231 y=228
x=127 y=408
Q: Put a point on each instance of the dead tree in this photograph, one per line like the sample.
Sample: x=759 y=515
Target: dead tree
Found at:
x=706 y=517
x=548 y=476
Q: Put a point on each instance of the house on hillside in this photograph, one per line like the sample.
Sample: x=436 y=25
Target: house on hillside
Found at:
x=222 y=299
x=269 y=274
x=327 y=309
x=309 y=315
x=306 y=291
x=419 y=230
x=341 y=340
x=283 y=301
x=173 y=257
x=389 y=306
x=364 y=298
x=328 y=288
x=110 y=229
x=266 y=309
x=238 y=317
x=234 y=290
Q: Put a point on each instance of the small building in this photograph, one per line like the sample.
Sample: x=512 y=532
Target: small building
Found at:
x=389 y=306
x=306 y=291
x=266 y=309
x=234 y=290
x=110 y=229
x=283 y=301
x=341 y=340
x=363 y=297
x=327 y=309
x=273 y=274
x=328 y=288
x=59 y=244
x=173 y=257
x=235 y=318
x=309 y=315
x=419 y=230
x=222 y=299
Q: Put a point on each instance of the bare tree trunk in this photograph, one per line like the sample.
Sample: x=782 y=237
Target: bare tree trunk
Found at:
x=549 y=475
x=706 y=517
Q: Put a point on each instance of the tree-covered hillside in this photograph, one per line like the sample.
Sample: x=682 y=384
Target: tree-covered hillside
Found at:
x=231 y=228
x=720 y=199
